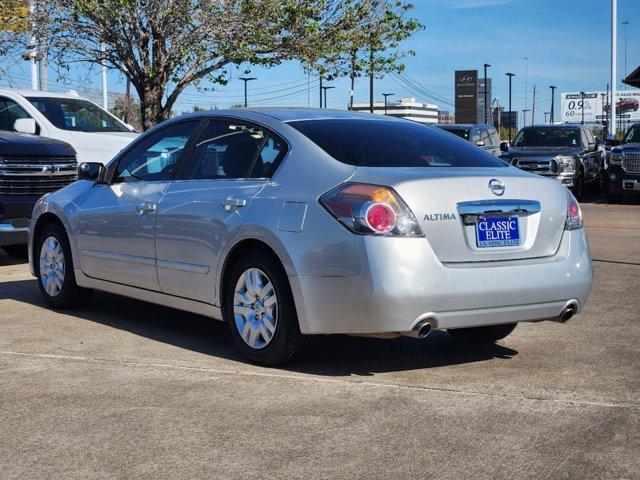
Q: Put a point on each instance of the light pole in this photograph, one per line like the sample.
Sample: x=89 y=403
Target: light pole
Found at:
x=324 y=89
x=626 y=24
x=545 y=116
x=510 y=75
x=246 y=80
x=386 y=95
x=524 y=116
x=486 y=65
x=614 y=66
x=553 y=101
x=582 y=107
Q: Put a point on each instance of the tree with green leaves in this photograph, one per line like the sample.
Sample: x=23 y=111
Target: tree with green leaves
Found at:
x=164 y=46
x=373 y=49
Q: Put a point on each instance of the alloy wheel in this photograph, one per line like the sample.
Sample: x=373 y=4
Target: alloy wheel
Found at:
x=52 y=266
x=255 y=308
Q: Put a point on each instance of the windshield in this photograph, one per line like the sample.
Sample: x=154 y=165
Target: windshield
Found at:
x=548 y=137
x=632 y=135
x=461 y=132
x=374 y=143
x=77 y=115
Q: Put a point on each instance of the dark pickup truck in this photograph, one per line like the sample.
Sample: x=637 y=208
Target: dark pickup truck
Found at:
x=568 y=153
x=30 y=166
x=624 y=166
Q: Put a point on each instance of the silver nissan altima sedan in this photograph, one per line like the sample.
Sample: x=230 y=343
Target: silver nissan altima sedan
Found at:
x=293 y=222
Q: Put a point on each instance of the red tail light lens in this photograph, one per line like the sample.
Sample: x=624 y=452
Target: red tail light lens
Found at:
x=371 y=210
x=574 y=214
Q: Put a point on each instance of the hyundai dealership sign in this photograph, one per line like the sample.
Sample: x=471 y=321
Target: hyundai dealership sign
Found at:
x=596 y=106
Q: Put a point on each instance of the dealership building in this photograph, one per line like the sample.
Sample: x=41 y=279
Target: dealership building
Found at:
x=407 y=108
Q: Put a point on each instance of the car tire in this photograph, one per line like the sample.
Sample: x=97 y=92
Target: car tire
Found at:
x=54 y=269
x=486 y=334
x=578 y=188
x=613 y=198
x=20 y=252
x=260 y=310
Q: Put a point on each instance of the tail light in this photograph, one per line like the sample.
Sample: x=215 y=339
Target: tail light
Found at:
x=368 y=209
x=574 y=214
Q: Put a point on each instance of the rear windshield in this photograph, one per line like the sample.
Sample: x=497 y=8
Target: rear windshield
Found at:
x=548 y=137
x=371 y=143
x=632 y=135
x=461 y=132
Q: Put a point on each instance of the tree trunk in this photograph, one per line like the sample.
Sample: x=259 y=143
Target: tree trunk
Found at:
x=151 y=109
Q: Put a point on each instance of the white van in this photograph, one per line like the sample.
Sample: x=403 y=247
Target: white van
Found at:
x=94 y=133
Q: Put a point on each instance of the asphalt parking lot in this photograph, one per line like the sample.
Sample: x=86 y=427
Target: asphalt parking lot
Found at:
x=124 y=389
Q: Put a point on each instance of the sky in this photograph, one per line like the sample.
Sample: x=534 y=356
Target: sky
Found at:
x=567 y=43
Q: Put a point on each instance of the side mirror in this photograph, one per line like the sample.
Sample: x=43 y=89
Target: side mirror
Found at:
x=593 y=147
x=25 y=125
x=504 y=146
x=92 y=171
x=479 y=143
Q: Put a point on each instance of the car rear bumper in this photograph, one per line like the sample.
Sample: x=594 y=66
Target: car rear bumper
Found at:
x=397 y=288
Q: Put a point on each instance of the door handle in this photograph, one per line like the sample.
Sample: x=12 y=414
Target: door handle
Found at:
x=146 y=207
x=231 y=203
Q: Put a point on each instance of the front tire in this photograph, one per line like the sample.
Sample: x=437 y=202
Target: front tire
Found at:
x=260 y=310
x=486 y=334
x=54 y=267
x=578 y=189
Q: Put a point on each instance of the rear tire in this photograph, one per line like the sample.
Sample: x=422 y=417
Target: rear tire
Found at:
x=16 y=251
x=54 y=268
x=487 y=334
x=260 y=310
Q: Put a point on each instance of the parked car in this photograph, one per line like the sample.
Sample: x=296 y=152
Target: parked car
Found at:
x=483 y=136
x=291 y=222
x=568 y=153
x=624 y=166
x=94 y=133
x=29 y=167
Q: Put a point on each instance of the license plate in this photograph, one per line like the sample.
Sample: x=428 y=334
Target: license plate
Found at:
x=497 y=232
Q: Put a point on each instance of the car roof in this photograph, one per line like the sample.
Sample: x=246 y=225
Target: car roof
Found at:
x=561 y=125
x=40 y=93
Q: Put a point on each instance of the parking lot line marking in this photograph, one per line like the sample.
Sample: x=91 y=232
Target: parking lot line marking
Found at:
x=229 y=372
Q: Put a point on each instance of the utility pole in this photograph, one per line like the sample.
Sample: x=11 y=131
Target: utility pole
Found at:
x=371 y=62
x=328 y=87
x=553 y=101
x=320 y=90
x=626 y=24
x=246 y=80
x=524 y=116
x=614 y=59
x=510 y=75
x=526 y=82
x=386 y=95
x=607 y=112
x=105 y=95
x=582 y=107
x=486 y=106
x=32 y=54
x=545 y=116
x=533 y=107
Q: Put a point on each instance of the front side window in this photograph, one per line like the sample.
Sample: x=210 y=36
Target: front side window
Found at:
x=10 y=111
x=155 y=157
x=229 y=149
x=77 y=115
x=548 y=137
x=381 y=143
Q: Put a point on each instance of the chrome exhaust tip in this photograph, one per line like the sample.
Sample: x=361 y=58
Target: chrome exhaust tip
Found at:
x=567 y=312
x=421 y=330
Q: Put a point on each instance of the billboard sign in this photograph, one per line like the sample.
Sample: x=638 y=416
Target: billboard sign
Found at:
x=596 y=107
x=466 y=82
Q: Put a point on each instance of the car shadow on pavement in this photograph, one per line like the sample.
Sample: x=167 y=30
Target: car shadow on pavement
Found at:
x=332 y=355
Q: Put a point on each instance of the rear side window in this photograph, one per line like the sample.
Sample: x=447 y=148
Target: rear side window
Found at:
x=381 y=143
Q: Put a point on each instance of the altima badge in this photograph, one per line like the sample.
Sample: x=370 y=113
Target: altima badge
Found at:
x=496 y=187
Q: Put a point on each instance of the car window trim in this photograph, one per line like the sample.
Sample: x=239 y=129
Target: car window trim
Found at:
x=116 y=163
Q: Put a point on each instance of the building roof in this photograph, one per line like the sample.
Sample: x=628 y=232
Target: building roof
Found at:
x=633 y=79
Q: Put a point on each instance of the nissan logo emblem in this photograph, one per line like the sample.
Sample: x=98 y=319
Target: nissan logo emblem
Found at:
x=496 y=187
